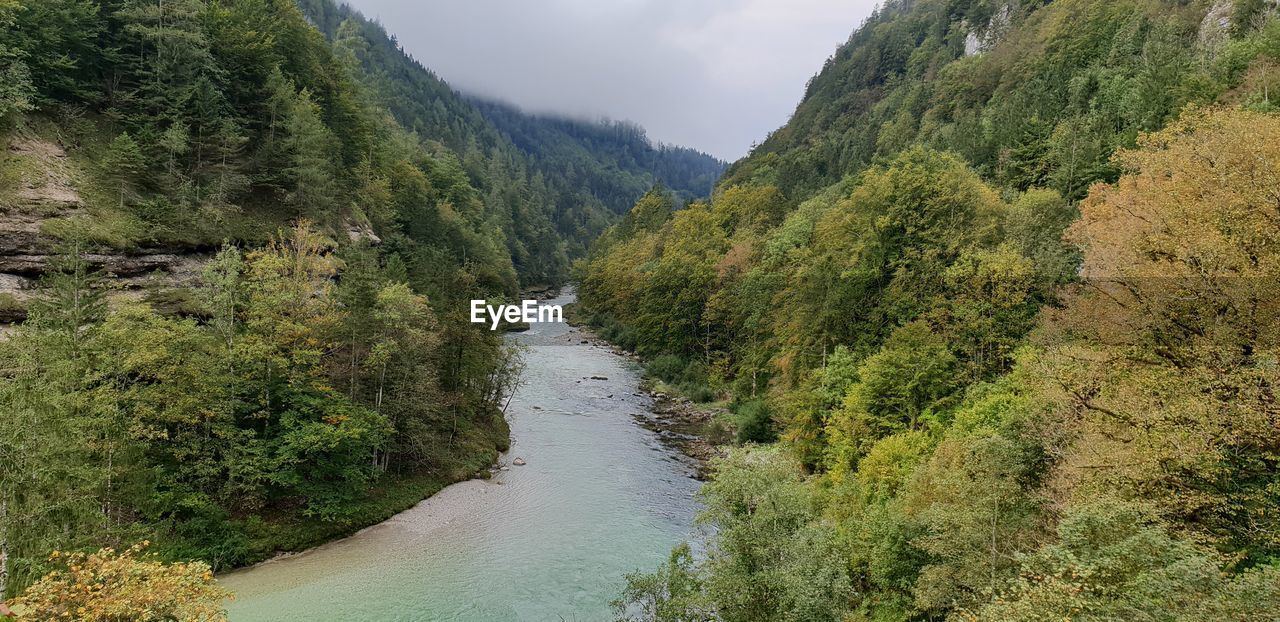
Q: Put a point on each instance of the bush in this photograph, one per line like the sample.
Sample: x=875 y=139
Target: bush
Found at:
x=700 y=393
x=755 y=422
x=667 y=367
x=619 y=335
x=139 y=588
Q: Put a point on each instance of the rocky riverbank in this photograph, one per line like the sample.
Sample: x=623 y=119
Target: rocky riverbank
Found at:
x=695 y=430
x=698 y=431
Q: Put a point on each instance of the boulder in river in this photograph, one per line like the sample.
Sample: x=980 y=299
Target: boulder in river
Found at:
x=518 y=462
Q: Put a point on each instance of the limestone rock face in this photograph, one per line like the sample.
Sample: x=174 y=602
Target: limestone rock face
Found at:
x=362 y=232
x=983 y=38
x=45 y=191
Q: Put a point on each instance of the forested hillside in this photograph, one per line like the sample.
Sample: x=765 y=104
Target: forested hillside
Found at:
x=564 y=181
x=614 y=160
x=993 y=313
x=244 y=283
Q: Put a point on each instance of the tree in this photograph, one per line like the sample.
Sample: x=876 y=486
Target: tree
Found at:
x=1165 y=349
x=55 y=488
x=310 y=146
x=122 y=165
x=176 y=142
x=124 y=585
x=73 y=296
x=1112 y=560
x=171 y=50
x=768 y=561
x=992 y=305
x=16 y=90
x=224 y=294
x=54 y=50
x=904 y=386
x=673 y=593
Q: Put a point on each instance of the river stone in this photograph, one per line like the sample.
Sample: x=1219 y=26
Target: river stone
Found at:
x=518 y=462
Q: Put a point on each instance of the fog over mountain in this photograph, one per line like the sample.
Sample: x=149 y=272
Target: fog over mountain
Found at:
x=715 y=75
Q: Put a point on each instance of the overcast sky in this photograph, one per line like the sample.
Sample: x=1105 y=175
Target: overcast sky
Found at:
x=716 y=75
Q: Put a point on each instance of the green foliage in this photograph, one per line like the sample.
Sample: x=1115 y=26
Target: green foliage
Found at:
x=549 y=184
x=306 y=388
x=296 y=402
x=755 y=422
x=898 y=388
x=673 y=593
x=122 y=163
x=308 y=144
x=1113 y=560
x=1017 y=337
x=16 y=88
x=1062 y=86
x=769 y=561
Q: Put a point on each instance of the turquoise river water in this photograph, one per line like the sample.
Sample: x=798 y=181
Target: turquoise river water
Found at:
x=599 y=497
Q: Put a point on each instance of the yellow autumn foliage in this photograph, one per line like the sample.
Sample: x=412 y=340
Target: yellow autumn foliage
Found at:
x=119 y=586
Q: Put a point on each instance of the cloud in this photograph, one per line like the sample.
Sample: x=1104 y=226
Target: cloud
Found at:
x=716 y=75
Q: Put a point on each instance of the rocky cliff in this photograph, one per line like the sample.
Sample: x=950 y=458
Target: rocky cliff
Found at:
x=37 y=190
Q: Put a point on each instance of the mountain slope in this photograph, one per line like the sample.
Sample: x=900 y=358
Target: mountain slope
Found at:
x=583 y=173
x=244 y=286
x=1030 y=95
x=991 y=295
x=612 y=160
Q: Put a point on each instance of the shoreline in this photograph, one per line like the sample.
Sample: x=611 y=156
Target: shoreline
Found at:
x=582 y=447
x=684 y=426
x=437 y=485
x=680 y=423
x=418 y=489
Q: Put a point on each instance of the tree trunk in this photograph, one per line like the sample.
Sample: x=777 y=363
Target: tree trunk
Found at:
x=4 y=550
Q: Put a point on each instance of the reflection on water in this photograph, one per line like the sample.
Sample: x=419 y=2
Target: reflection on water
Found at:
x=551 y=540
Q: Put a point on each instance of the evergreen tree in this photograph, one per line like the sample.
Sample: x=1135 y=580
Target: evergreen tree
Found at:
x=72 y=296
x=123 y=165
x=310 y=146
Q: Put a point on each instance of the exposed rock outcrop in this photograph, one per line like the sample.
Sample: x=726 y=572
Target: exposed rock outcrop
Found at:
x=44 y=191
x=49 y=182
x=983 y=38
x=358 y=232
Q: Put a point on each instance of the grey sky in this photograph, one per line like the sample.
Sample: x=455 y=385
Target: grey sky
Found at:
x=716 y=75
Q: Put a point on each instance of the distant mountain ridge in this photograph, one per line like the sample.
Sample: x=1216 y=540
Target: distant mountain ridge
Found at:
x=593 y=148
x=586 y=173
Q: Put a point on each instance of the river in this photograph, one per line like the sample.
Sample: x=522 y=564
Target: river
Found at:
x=599 y=497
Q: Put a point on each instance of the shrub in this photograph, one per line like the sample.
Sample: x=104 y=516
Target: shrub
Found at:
x=138 y=588
x=667 y=367
x=700 y=393
x=755 y=422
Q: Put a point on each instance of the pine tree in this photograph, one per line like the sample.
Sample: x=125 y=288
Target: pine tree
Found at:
x=220 y=171
x=310 y=145
x=122 y=164
x=176 y=142
x=173 y=52
x=73 y=298
x=16 y=89
x=278 y=96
